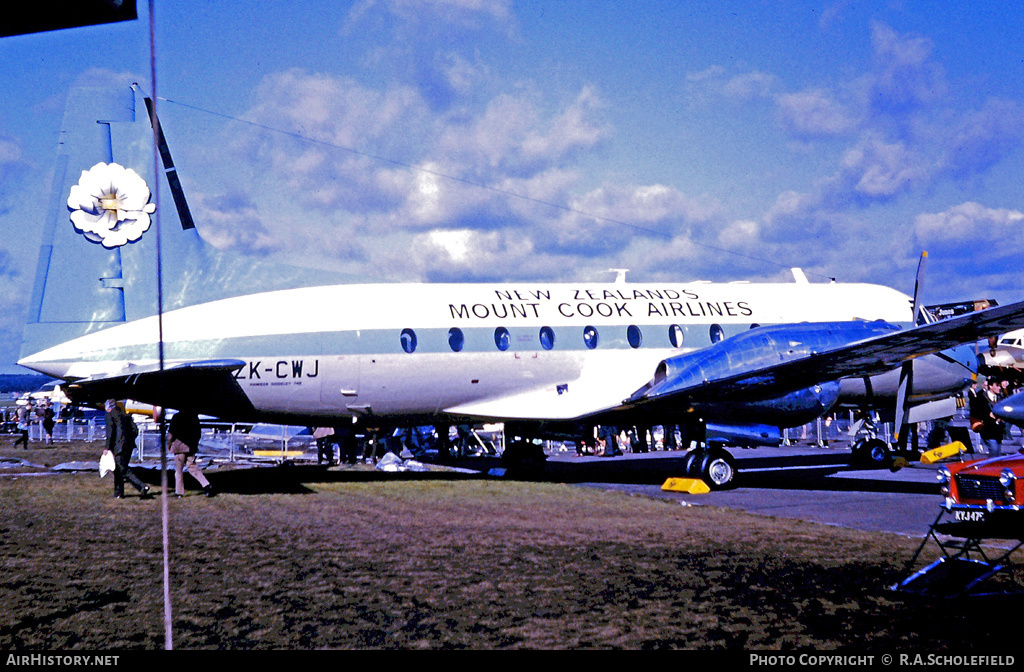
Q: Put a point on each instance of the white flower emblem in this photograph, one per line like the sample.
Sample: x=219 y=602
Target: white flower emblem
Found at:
x=110 y=205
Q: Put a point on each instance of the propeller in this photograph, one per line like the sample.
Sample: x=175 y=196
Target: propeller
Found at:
x=907 y=369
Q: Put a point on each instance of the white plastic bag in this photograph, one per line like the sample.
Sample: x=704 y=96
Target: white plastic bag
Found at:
x=106 y=463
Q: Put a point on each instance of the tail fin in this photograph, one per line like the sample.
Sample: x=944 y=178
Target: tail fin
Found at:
x=97 y=262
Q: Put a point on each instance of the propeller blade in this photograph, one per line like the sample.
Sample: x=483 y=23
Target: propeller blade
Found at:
x=919 y=287
x=907 y=370
x=902 y=407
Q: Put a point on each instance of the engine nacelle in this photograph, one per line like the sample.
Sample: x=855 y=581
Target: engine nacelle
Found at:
x=747 y=436
x=1011 y=409
x=789 y=410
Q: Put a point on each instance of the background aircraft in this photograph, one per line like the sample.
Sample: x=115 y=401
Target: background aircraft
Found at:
x=241 y=340
x=1007 y=351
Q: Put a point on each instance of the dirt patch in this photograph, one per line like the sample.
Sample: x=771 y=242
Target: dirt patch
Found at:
x=307 y=559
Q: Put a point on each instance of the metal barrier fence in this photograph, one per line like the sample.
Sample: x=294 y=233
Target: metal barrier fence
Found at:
x=220 y=439
x=70 y=430
x=227 y=437
x=229 y=441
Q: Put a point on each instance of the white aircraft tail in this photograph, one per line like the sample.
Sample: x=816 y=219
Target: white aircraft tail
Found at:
x=98 y=258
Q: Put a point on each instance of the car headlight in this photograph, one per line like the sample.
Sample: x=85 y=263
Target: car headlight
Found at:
x=944 y=478
x=1008 y=480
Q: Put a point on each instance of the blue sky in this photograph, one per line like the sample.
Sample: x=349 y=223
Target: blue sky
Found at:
x=418 y=140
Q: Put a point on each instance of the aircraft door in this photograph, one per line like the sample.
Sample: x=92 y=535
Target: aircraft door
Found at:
x=339 y=387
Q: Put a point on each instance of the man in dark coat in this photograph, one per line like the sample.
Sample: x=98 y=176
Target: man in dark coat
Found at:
x=992 y=429
x=121 y=433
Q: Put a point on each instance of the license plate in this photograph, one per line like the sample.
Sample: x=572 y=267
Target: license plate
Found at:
x=969 y=516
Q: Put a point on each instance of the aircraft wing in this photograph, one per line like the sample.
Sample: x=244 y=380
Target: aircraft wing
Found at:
x=599 y=393
x=867 y=357
x=210 y=384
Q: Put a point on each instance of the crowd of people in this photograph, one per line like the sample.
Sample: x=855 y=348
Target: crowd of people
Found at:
x=609 y=441
x=42 y=413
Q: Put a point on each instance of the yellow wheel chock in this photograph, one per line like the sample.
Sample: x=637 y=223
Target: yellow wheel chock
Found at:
x=693 y=486
x=942 y=452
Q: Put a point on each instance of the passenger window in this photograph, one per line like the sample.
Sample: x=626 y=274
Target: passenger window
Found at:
x=455 y=339
x=408 y=340
x=634 y=336
x=675 y=336
x=717 y=333
x=502 y=339
x=755 y=325
x=590 y=337
x=547 y=338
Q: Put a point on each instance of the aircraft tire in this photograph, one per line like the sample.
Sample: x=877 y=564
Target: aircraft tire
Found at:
x=872 y=453
x=691 y=463
x=717 y=468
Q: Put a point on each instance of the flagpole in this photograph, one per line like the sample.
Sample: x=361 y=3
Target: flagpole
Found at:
x=155 y=122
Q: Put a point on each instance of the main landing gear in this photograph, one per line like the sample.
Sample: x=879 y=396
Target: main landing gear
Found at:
x=871 y=452
x=714 y=465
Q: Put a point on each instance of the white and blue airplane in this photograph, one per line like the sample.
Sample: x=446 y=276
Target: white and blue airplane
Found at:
x=243 y=340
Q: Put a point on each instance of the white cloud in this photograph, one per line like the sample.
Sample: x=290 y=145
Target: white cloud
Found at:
x=741 y=234
x=749 y=85
x=715 y=82
x=513 y=135
x=904 y=78
x=815 y=113
x=468 y=255
x=455 y=244
x=466 y=12
x=972 y=226
x=877 y=169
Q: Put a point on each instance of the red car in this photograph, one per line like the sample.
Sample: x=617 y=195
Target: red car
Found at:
x=981 y=490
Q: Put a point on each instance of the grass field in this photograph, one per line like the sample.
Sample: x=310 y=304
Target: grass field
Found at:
x=308 y=559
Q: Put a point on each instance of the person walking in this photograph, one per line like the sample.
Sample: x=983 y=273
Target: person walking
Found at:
x=121 y=435
x=183 y=435
x=23 y=423
x=49 y=421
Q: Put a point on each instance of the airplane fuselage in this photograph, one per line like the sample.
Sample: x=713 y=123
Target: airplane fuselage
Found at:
x=422 y=352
